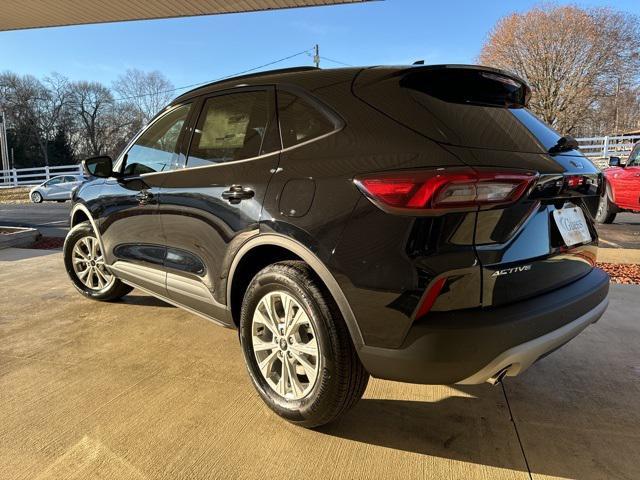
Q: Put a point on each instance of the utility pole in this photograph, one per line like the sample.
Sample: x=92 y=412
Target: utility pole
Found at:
x=316 y=55
x=4 y=154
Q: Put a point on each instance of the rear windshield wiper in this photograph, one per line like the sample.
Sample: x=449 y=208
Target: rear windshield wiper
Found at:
x=564 y=144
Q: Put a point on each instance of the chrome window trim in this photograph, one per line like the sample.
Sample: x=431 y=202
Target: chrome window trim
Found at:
x=339 y=124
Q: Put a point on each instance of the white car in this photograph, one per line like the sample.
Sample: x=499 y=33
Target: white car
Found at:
x=58 y=188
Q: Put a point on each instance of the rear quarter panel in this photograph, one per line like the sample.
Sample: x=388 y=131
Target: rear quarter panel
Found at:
x=382 y=262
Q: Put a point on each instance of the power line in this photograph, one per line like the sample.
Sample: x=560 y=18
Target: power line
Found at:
x=317 y=57
x=193 y=85
x=337 y=61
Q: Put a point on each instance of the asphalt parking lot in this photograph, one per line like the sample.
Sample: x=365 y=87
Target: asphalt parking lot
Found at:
x=139 y=389
x=50 y=218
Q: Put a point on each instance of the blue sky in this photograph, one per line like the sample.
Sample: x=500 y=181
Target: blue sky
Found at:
x=196 y=49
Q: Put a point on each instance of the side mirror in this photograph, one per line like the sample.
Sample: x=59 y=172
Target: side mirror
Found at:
x=101 y=167
x=614 y=161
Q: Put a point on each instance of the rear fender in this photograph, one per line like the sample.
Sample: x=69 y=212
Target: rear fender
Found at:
x=316 y=264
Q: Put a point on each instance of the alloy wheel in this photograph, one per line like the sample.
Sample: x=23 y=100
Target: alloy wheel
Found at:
x=88 y=264
x=285 y=345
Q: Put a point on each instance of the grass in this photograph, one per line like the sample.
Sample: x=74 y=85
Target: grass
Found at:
x=14 y=195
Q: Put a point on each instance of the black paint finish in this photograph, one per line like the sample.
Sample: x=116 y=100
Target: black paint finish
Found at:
x=189 y=223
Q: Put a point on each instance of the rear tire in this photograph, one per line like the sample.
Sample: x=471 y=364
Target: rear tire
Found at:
x=607 y=210
x=309 y=370
x=84 y=263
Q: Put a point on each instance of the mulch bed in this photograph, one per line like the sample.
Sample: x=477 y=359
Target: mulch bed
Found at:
x=628 y=274
x=48 y=243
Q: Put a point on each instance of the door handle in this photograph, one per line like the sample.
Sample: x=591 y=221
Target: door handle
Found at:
x=143 y=196
x=237 y=193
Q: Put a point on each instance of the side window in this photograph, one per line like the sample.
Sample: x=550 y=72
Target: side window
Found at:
x=155 y=150
x=230 y=127
x=54 y=181
x=69 y=179
x=300 y=121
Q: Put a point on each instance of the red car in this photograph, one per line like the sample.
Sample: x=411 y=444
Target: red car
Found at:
x=622 y=187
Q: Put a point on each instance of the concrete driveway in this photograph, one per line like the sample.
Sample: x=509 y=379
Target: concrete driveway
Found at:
x=139 y=389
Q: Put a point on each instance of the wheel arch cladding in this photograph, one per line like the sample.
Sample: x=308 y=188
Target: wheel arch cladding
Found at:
x=249 y=265
x=78 y=216
x=267 y=249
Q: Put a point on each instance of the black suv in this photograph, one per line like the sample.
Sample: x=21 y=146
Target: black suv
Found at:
x=417 y=224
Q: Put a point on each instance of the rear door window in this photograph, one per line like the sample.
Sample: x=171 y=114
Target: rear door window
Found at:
x=233 y=126
x=300 y=121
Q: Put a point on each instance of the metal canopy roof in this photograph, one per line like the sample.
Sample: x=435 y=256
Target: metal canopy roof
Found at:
x=19 y=14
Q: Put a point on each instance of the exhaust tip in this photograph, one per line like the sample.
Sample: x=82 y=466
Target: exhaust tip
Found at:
x=497 y=378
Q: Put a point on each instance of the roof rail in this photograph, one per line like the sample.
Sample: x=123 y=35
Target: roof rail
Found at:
x=253 y=74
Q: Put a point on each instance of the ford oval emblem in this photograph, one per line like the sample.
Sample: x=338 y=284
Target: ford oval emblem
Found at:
x=576 y=164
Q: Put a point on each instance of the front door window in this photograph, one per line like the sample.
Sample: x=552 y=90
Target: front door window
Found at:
x=156 y=149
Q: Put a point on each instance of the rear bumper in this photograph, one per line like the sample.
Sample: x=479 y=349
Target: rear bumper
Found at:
x=472 y=346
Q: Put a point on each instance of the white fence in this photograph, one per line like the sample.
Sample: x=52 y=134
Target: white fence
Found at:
x=34 y=176
x=599 y=149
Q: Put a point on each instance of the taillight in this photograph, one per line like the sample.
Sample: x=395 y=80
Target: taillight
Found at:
x=444 y=188
x=574 y=181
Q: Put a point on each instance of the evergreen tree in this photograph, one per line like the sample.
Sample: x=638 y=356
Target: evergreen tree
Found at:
x=60 y=151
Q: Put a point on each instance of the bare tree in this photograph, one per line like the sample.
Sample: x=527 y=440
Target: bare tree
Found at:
x=102 y=125
x=35 y=106
x=573 y=58
x=147 y=92
x=91 y=102
x=54 y=120
x=17 y=95
x=50 y=102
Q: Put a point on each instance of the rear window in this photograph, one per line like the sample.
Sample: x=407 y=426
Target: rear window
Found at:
x=470 y=108
x=472 y=87
x=546 y=135
x=300 y=121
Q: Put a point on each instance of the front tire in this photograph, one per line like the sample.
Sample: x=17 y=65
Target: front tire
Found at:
x=297 y=347
x=607 y=210
x=36 y=197
x=84 y=262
